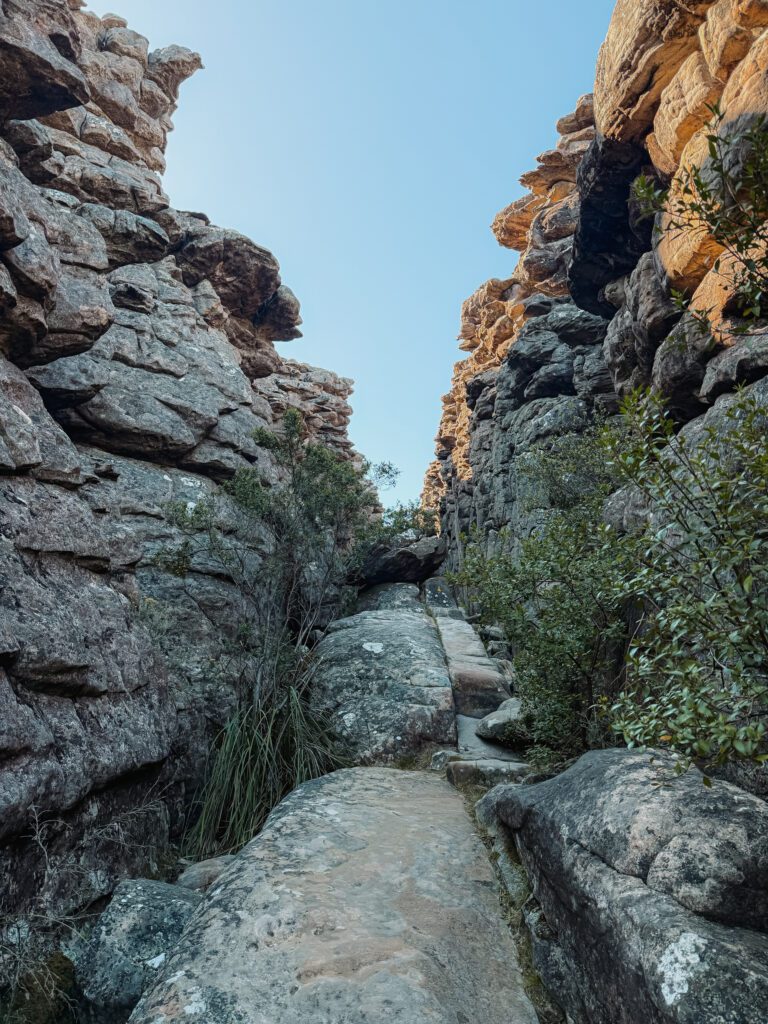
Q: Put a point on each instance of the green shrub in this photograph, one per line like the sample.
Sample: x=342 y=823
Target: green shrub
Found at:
x=559 y=600
x=698 y=665
x=662 y=632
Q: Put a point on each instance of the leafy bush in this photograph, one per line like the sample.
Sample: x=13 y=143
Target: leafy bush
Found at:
x=558 y=599
x=698 y=665
x=660 y=633
x=293 y=550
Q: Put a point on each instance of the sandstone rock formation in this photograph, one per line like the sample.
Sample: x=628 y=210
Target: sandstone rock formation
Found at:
x=645 y=905
x=340 y=911
x=651 y=897
x=136 y=360
x=660 y=69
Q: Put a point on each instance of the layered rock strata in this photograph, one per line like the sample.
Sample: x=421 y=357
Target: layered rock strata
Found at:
x=136 y=360
x=661 y=69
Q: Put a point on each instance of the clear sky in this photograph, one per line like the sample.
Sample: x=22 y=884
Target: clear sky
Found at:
x=368 y=144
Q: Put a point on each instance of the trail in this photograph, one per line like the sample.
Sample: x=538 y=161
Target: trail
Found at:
x=369 y=896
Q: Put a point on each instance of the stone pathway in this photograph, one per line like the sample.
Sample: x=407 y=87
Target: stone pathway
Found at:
x=367 y=899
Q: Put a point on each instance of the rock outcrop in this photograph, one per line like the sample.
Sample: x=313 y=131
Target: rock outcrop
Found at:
x=382 y=676
x=136 y=361
x=650 y=890
x=340 y=911
x=662 y=67
x=647 y=902
x=536 y=368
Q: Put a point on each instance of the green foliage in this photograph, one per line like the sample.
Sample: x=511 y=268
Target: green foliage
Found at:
x=557 y=600
x=289 y=549
x=698 y=666
x=660 y=632
x=265 y=750
x=410 y=518
x=727 y=198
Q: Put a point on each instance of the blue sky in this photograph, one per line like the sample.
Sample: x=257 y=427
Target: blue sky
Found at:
x=369 y=144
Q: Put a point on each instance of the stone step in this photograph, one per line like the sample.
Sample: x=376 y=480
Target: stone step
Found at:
x=485 y=772
x=368 y=898
x=478 y=686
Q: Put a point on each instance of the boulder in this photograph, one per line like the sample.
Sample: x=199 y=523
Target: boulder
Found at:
x=382 y=677
x=340 y=911
x=404 y=561
x=503 y=725
x=201 y=876
x=652 y=889
x=129 y=944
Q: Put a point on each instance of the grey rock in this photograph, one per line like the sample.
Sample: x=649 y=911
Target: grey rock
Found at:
x=478 y=686
x=485 y=772
x=651 y=886
x=404 y=561
x=356 y=917
x=129 y=945
x=437 y=596
x=201 y=876
x=501 y=725
x=382 y=676
x=389 y=596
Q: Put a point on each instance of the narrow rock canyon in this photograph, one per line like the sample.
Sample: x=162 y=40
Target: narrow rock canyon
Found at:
x=440 y=874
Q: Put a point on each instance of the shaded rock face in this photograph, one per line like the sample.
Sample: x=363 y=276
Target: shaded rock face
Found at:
x=405 y=561
x=552 y=381
x=136 y=360
x=652 y=897
x=129 y=945
x=355 y=916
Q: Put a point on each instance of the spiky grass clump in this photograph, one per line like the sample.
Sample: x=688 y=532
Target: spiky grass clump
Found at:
x=264 y=752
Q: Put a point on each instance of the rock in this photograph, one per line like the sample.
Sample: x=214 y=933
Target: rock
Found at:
x=201 y=876
x=503 y=725
x=370 y=927
x=486 y=772
x=116 y=676
x=606 y=243
x=652 y=895
x=647 y=42
x=404 y=560
x=389 y=596
x=478 y=686
x=382 y=677
x=438 y=597
x=38 y=59
x=129 y=945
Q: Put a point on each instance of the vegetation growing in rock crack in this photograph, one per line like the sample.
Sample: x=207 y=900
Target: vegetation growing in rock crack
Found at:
x=307 y=536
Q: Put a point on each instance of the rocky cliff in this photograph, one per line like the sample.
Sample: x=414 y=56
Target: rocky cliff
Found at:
x=137 y=359
x=587 y=313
